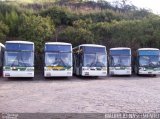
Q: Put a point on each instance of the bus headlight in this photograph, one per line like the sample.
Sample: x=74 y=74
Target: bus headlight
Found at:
x=128 y=68
x=30 y=69
x=111 y=68
x=6 y=69
x=85 y=68
x=142 y=68
x=70 y=69
x=156 y=69
x=47 y=69
x=104 y=68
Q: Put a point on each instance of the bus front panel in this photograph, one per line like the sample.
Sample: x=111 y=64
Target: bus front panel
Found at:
x=19 y=60
x=58 y=61
x=148 y=62
x=120 y=62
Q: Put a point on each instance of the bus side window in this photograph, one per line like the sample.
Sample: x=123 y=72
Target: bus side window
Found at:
x=77 y=60
x=80 y=60
x=1 y=56
x=80 y=57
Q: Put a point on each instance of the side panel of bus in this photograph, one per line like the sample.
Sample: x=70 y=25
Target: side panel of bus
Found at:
x=1 y=60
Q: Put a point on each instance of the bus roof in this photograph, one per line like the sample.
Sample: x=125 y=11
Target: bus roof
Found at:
x=2 y=45
x=148 y=49
x=92 y=45
x=22 y=42
x=58 y=43
x=120 y=48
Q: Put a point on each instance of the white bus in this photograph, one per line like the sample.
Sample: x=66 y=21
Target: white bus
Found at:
x=147 y=61
x=120 y=61
x=18 y=59
x=90 y=60
x=2 y=47
x=58 y=59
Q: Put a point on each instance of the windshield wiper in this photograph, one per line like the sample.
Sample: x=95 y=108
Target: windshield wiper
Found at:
x=59 y=62
x=117 y=65
x=22 y=61
x=14 y=62
x=152 y=64
x=64 y=65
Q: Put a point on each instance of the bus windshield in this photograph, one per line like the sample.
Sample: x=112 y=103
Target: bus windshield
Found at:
x=20 y=59
x=58 y=59
x=95 y=60
x=149 y=60
x=118 y=61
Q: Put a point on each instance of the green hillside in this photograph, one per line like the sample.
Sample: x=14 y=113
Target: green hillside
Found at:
x=78 y=22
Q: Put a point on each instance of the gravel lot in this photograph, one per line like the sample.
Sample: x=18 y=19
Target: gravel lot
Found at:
x=77 y=95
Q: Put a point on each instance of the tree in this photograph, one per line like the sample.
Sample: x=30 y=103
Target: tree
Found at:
x=36 y=29
x=12 y=20
x=76 y=36
x=3 y=31
x=59 y=15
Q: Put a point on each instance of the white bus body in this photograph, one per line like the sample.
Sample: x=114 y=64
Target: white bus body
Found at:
x=19 y=59
x=58 y=59
x=120 y=61
x=147 y=61
x=90 y=60
x=2 y=47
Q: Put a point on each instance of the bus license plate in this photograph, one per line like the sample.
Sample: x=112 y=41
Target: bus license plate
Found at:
x=149 y=72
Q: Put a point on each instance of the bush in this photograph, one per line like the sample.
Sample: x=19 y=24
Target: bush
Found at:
x=36 y=29
x=3 y=31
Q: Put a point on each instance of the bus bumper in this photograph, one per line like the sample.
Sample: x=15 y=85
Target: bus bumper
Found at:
x=94 y=73
x=18 y=74
x=57 y=73
x=114 y=71
x=149 y=72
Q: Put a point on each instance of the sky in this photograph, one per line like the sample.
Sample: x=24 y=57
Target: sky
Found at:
x=154 y=5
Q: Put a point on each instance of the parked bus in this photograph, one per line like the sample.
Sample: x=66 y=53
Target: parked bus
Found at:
x=90 y=60
x=58 y=59
x=2 y=47
x=147 y=61
x=120 y=61
x=18 y=59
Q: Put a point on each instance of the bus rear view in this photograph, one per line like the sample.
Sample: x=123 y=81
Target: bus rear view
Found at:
x=19 y=59
x=58 y=59
x=147 y=61
x=120 y=61
x=90 y=60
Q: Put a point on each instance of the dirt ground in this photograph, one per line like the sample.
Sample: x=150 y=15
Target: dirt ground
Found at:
x=80 y=95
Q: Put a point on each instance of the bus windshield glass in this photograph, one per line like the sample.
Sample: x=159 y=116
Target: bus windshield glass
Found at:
x=120 y=58
x=95 y=60
x=95 y=57
x=120 y=61
x=19 y=59
x=58 y=59
x=149 y=61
